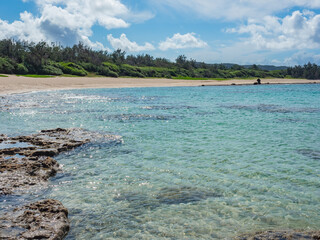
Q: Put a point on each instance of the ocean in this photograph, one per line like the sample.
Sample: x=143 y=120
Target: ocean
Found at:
x=195 y=162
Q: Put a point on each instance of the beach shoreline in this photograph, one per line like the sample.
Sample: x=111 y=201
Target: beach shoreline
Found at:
x=18 y=84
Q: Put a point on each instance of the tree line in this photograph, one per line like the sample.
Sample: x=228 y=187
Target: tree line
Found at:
x=22 y=57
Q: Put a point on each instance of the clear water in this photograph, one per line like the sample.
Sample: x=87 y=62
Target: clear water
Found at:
x=196 y=163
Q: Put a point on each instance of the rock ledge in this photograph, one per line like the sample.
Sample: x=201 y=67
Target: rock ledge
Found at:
x=47 y=219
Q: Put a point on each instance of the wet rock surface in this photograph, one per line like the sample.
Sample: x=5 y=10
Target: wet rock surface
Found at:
x=27 y=160
x=282 y=235
x=47 y=219
x=16 y=173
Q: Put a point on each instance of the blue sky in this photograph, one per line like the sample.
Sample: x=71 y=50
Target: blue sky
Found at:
x=285 y=32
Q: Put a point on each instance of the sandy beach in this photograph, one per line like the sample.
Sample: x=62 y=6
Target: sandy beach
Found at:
x=18 y=84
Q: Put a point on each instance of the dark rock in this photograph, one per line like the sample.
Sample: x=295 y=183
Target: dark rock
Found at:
x=54 y=130
x=47 y=219
x=282 y=235
x=45 y=152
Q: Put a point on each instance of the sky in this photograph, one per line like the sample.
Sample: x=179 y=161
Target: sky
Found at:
x=273 y=32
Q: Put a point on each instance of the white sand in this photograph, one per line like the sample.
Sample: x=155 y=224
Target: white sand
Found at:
x=14 y=84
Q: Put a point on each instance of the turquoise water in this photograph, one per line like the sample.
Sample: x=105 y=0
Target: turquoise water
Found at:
x=195 y=163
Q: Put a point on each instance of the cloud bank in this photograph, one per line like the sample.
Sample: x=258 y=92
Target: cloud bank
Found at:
x=301 y=30
x=70 y=21
x=236 y=9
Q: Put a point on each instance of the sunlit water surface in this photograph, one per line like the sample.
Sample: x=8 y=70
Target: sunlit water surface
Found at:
x=196 y=162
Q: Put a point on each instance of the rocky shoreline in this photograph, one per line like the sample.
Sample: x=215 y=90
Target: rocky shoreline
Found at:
x=26 y=161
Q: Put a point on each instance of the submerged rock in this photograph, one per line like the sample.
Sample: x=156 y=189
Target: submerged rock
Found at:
x=136 y=117
x=313 y=154
x=166 y=196
x=47 y=219
x=282 y=235
x=177 y=195
x=272 y=108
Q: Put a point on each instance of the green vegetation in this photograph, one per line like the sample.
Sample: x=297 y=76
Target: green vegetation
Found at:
x=35 y=76
x=3 y=75
x=43 y=60
x=73 y=69
x=195 y=78
x=6 y=65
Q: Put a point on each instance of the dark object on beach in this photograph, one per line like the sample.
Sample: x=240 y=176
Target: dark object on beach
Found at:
x=257 y=82
x=46 y=219
x=282 y=235
x=233 y=84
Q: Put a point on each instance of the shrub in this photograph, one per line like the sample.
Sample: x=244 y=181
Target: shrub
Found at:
x=72 y=68
x=128 y=70
x=21 y=69
x=50 y=70
x=158 y=72
x=6 y=65
x=113 y=67
x=90 y=67
x=105 y=71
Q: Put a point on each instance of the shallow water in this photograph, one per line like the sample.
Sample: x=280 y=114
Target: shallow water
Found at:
x=196 y=163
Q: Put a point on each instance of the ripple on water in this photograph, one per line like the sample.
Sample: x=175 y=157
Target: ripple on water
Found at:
x=135 y=117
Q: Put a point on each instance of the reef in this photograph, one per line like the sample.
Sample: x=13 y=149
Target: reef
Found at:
x=27 y=161
x=282 y=235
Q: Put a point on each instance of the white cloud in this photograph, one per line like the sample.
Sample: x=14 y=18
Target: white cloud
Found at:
x=301 y=58
x=70 y=21
x=125 y=44
x=296 y=31
x=26 y=29
x=179 y=41
x=236 y=9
